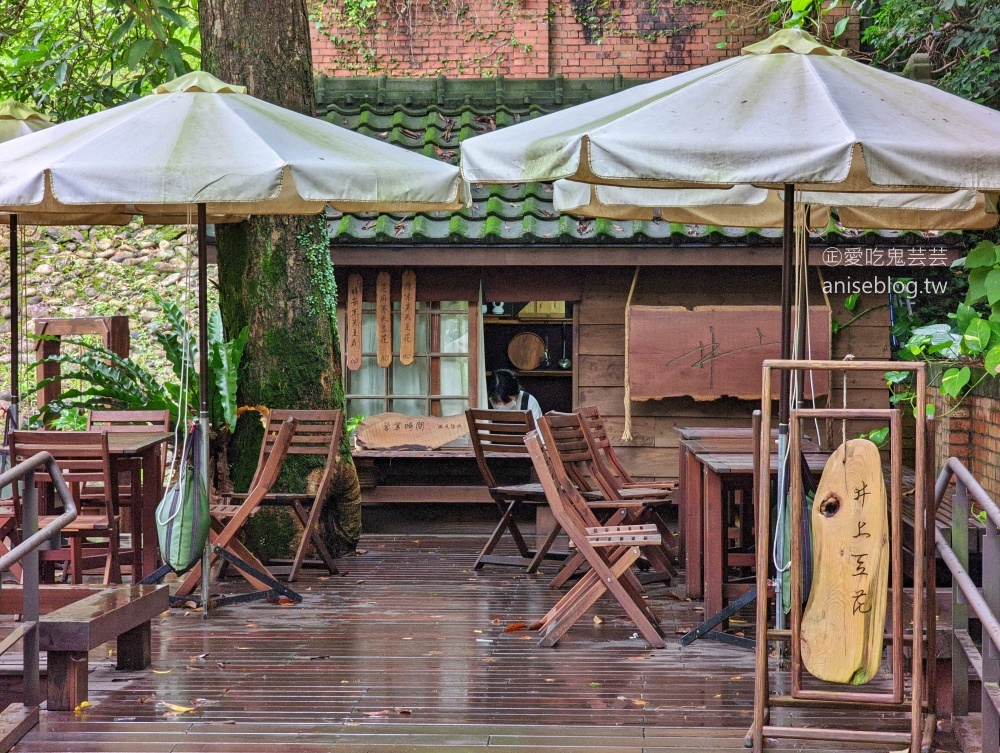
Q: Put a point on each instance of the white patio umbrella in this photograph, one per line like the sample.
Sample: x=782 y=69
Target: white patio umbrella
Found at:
x=199 y=145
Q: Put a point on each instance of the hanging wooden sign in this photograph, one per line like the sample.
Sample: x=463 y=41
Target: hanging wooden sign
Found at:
x=355 y=297
x=383 y=319
x=394 y=431
x=408 y=318
x=844 y=621
x=713 y=351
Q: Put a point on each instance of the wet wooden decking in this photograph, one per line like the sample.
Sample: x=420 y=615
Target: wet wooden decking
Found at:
x=407 y=651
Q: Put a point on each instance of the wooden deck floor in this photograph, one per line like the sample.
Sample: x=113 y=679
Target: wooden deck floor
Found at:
x=407 y=651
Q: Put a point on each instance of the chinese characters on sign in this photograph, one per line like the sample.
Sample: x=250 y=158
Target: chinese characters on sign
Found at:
x=407 y=317
x=383 y=319
x=395 y=431
x=354 y=301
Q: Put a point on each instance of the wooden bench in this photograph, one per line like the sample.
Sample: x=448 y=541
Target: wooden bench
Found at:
x=69 y=633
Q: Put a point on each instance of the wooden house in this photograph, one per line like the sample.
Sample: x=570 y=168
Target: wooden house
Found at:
x=511 y=264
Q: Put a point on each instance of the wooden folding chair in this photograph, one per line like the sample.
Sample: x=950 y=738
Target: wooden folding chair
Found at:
x=637 y=505
x=318 y=434
x=129 y=472
x=604 y=452
x=500 y=434
x=83 y=458
x=228 y=521
x=609 y=550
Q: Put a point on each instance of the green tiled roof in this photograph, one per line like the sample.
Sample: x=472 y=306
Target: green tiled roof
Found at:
x=432 y=116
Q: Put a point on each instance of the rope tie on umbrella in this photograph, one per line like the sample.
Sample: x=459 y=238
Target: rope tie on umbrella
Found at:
x=627 y=433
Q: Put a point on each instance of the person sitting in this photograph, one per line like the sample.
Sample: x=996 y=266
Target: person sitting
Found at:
x=508 y=395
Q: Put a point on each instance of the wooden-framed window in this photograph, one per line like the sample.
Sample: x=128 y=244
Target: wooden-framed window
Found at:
x=441 y=381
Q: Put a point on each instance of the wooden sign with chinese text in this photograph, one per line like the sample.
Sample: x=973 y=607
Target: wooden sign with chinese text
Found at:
x=713 y=351
x=844 y=621
x=408 y=318
x=354 y=338
x=394 y=431
x=383 y=319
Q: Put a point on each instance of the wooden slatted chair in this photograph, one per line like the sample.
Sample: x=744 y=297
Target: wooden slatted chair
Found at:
x=228 y=520
x=604 y=451
x=569 y=432
x=83 y=458
x=318 y=434
x=609 y=550
x=502 y=432
x=129 y=472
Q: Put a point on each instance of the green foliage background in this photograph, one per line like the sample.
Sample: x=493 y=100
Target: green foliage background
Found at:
x=74 y=58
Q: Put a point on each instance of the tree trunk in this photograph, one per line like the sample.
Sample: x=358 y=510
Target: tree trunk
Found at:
x=275 y=273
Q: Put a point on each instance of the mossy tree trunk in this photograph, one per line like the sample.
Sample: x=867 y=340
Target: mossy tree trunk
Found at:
x=275 y=273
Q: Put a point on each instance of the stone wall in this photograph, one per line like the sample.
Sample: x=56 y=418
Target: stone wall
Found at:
x=529 y=38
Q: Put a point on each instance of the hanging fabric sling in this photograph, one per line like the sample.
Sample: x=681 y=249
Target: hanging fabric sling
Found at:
x=182 y=517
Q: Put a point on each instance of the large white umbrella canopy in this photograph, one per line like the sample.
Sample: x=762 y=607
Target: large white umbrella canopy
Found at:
x=198 y=140
x=789 y=110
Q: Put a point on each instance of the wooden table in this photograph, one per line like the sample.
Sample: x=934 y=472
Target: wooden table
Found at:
x=690 y=502
x=125 y=446
x=718 y=471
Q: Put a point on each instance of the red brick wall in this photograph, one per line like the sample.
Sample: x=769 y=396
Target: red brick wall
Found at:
x=970 y=432
x=527 y=38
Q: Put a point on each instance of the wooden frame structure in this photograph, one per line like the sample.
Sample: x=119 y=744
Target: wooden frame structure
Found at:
x=113 y=330
x=921 y=723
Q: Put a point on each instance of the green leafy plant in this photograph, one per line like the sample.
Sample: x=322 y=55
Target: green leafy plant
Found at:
x=969 y=341
x=109 y=381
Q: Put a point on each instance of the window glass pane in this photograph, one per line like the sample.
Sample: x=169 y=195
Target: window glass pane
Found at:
x=454 y=305
x=453 y=407
x=454 y=376
x=454 y=333
x=409 y=380
x=419 y=333
x=369 y=342
x=410 y=407
x=369 y=379
x=364 y=407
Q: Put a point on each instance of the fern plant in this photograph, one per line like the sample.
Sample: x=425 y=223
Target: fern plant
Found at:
x=110 y=382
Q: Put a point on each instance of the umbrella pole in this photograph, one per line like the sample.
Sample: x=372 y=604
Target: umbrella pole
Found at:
x=784 y=395
x=15 y=325
x=203 y=386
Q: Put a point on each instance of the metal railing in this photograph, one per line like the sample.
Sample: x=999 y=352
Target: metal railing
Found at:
x=26 y=553
x=985 y=604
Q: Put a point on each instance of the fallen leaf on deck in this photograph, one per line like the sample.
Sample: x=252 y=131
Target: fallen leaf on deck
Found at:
x=489 y=660
x=345 y=682
x=383 y=712
x=737 y=677
x=408 y=638
x=535 y=625
x=284 y=601
x=477 y=631
x=435 y=653
x=161 y=671
x=496 y=621
x=717 y=695
x=598 y=620
x=252 y=625
x=404 y=712
x=549 y=679
x=177 y=709
x=525 y=637
x=515 y=626
x=359 y=552
x=361 y=581
x=622 y=698
x=83 y=705
x=220 y=664
x=199 y=657
x=640 y=703
x=595 y=684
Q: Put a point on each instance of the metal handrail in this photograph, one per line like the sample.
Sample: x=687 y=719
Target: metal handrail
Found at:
x=36 y=539
x=984 y=604
x=27 y=554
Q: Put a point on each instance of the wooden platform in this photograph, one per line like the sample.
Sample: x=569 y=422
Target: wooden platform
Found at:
x=410 y=650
